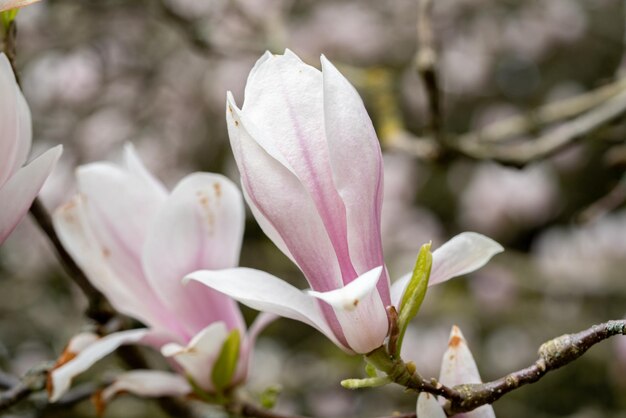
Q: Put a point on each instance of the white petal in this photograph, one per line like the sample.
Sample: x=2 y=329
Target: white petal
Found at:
x=463 y=254
x=356 y=162
x=277 y=194
x=147 y=383
x=348 y=297
x=198 y=357
x=18 y=193
x=24 y=131
x=124 y=292
x=458 y=367
x=428 y=407
x=284 y=106
x=9 y=119
x=61 y=377
x=360 y=311
x=264 y=292
x=247 y=347
x=199 y=226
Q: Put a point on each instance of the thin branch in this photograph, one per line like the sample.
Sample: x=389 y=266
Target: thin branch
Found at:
x=99 y=308
x=249 y=410
x=33 y=381
x=551 y=142
x=553 y=354
x=609 y=202
x=426 y=63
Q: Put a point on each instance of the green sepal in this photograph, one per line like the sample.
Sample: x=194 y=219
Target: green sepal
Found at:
x=269 y=396
x=7 y=17
x=415 y=292
x=226 y=363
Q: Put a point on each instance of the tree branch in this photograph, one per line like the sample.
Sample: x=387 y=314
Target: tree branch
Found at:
x=99 y=308
x=553 y=354
x=426 y=64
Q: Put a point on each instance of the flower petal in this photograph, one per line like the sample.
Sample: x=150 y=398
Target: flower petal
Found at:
x=284 y=104
x=428 y=407
x=458 y=367
x=264 y=292
x=9 y=119
x=146 y=383
x=245 y=357
x=200 y=226
x=198 y=357
x=358 y=178
x=25 y=132
x=360 y=311
x=276 y=193
x=18 y=193
x=13 y=4
x=76 y=235
x=348 y=297
x=462 y=254
x=60 y=378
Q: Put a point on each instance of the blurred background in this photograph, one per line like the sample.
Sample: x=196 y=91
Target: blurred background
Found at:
x=100 y=73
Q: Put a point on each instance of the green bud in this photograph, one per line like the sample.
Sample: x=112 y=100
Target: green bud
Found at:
x=7 y=17
x=269 y=396
x=226 y=362
x=370 y=382
x=370 y=370
x=415 y=292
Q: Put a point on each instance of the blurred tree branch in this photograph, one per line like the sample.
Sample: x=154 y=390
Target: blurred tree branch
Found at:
x=426 y=63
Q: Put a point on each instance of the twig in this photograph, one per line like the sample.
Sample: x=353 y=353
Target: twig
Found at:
x=99 y=308
x=553 y=354
x=33 y=381
x=606 y=204
x=426 y=63
x=515 y=126
x=551 y=142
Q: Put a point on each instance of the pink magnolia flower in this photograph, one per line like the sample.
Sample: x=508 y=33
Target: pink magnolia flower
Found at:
x=136 y=242
x=18 y=185
x=458 y=367
x=14 y=4
x=311 y=171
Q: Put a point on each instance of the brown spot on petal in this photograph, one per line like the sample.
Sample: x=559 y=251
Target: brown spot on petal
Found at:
x=236 y=123
x=106 y=253
x=98 y=403
x=455 y=341
x=218 y=189
x=355 y=303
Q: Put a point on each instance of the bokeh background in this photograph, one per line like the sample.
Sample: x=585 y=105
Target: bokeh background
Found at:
x=100 y=73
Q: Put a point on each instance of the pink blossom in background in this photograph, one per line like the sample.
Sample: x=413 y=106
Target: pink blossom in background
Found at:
x=19 y=184
x=311 y=171
x=135 y=241
x=457 y=367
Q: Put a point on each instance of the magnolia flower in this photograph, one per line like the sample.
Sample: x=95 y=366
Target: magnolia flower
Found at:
x=136 y=242
x=311 y=171
x=14 y=4
x=458 y=367
x=18 y=185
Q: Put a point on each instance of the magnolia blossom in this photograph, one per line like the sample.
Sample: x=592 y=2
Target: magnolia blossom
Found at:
x=136 y=242
x=311 y=171
x=14 y=4
x=18 y=185
x=458 y=367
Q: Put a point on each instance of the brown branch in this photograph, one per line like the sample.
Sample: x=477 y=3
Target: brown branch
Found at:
x=426 y=63
x=609 y=202
x=99 y=308
x=33 y=381
x=553 y=354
